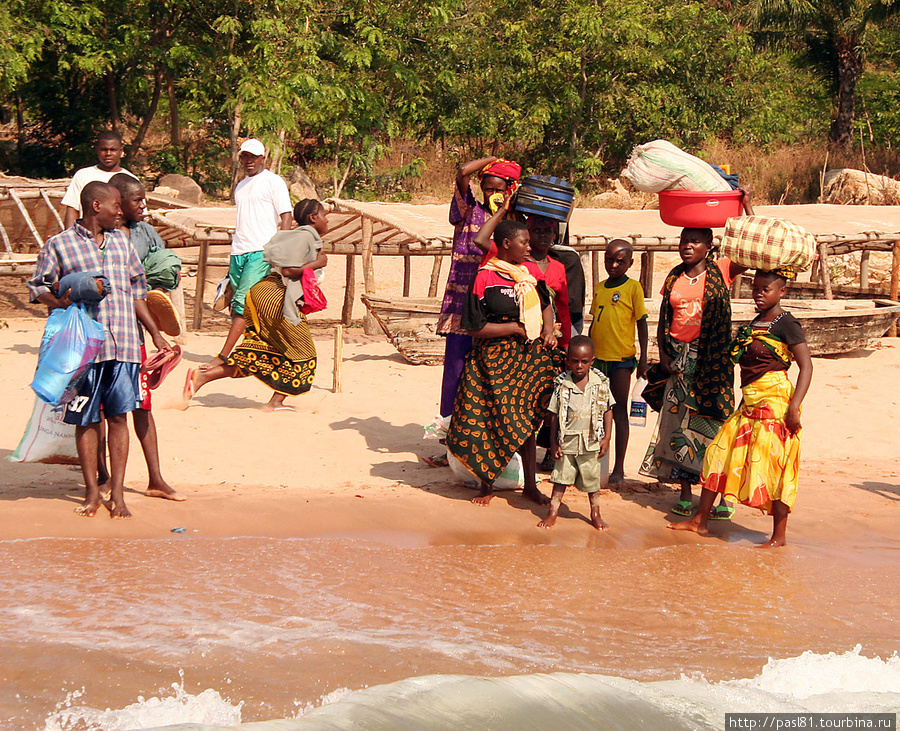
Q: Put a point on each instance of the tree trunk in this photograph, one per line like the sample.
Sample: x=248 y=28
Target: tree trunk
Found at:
x=113 y=100
x=20 y=130
x=234 y=133
x=174 y=122
x=849 y=66
x=148 y=117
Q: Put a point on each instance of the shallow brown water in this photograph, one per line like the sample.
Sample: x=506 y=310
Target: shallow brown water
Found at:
x=278 y=623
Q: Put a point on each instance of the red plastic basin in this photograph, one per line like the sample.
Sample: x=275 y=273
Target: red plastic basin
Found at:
x=699 y=209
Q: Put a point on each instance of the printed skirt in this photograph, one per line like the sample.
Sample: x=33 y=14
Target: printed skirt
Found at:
x=754 y=459
x=679 y=443
x=281 y=355
x=502 y=398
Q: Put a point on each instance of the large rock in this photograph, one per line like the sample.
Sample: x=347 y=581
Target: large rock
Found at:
x=845 y=186
x=301 y=185
x=188 y=189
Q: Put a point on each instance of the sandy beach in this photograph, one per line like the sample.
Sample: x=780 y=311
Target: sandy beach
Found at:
x=350 y=462
x=320 y=555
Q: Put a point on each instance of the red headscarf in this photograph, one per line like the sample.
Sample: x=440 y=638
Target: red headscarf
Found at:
x=507 y=170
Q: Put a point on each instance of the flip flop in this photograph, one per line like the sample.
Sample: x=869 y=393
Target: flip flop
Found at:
x=189 y=389
x=683 y=507
x=164 y=312
x=161 y=364
x=224 y=295
x=721 y=512
x=438 y=461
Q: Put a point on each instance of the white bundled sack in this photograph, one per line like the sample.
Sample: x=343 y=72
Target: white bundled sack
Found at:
x=512 y=478
x=659 y=165
x=47 y=437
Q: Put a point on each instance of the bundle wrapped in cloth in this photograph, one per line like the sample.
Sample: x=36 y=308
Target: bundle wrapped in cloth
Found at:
x=769 y=244
x=660 y=165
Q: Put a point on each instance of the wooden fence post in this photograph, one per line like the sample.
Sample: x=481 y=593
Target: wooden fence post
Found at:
x=337 y=370
x=370 y=327
x=435 y=276
x=407 y=274
x=825 y=271
x=349 y=291
x=647 y=263
x=200 y=289
x=864 y=270
x=895 y=282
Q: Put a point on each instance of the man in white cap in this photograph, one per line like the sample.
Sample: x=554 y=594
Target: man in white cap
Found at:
x=263 y=207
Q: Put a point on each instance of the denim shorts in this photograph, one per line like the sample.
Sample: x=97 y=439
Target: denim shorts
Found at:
x=606 y=367
x=110 y=385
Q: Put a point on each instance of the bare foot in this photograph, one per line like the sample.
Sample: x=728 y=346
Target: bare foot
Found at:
x=773 y=543
x=597 y=521
x=692 y=525
x=548 y=522
x=484 y=496
x=117 y=510
x=532 y=493
x=88 y=509
x=165 y=491
x=617 y=476
x=217 y=361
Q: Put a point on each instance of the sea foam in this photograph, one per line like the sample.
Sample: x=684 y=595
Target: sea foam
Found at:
x=810 y=682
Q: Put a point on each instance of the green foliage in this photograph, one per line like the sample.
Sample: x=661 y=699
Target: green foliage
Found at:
x=567 y=87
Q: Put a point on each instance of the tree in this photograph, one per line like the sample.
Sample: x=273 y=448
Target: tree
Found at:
x=835 y=31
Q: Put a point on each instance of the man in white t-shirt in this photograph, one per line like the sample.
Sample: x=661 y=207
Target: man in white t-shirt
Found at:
x=109 y=155
x=263 y=208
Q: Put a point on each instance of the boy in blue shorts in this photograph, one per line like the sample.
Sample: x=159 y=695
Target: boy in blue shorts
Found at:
x=93 y=244
x=618 y=310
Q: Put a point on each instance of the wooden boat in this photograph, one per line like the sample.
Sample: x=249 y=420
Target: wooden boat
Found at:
x=409 y=324
x=816 y=290
x=831 y=326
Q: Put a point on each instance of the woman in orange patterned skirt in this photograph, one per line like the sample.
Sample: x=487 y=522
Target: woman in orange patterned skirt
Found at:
x=508 y=375
x=755 y=457
x=278 y=352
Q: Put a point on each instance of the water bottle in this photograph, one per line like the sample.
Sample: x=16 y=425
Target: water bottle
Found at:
x=637 y=415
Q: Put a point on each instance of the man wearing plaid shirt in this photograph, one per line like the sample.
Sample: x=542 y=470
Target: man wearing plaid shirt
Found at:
x=93 y=244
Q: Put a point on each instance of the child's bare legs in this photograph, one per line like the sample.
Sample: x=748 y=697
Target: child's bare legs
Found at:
x=555 y=501
x=145 y=429
x=780 y=514
x=619 y=381
x=698 y=523
x=596 y=520
x=686 y=493
x=529 y=466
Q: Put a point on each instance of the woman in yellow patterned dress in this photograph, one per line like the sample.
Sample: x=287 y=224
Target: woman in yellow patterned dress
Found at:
x=755 y=457
x=280 y=354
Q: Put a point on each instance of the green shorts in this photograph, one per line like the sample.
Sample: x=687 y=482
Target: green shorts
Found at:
x=584 y=471
x=245 y=270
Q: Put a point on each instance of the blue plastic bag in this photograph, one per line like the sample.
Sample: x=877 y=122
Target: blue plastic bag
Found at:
x=70 y=343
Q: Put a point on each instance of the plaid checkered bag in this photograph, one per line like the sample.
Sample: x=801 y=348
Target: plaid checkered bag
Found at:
x=768 y=243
